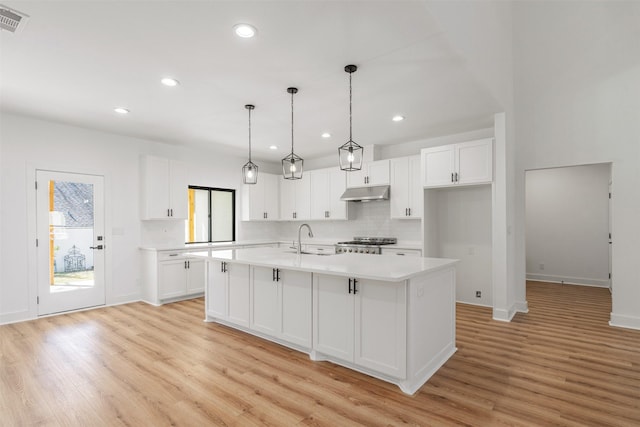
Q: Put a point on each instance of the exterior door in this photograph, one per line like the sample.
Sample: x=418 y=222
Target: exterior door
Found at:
x=70 y=233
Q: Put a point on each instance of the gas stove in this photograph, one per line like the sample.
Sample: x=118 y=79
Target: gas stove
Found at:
x=365 y=245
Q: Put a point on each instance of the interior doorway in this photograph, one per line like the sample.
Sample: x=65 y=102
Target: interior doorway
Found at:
x=70 y=237
x=568 y=225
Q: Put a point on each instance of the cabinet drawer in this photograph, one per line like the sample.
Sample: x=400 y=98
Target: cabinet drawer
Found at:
x=168 y=256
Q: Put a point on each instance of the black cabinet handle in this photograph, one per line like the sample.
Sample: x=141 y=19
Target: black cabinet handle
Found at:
x=409 y=211
x=452 y=177
x=168 y=212
x=188 y=264
x=273 y=274
x=349 y=285
x=99 y=247
x=223 y=267
x=355 y=287
x=277 y=274
x=185 y=265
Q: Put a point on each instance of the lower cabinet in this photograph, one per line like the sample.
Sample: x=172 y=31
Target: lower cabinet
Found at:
x=228 y=292
x=168 y=276
x=281 y=304
x=362 y=322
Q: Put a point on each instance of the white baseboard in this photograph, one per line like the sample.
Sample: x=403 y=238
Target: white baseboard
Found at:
x=506 y=315
x=473 y=303
x=623 y=321
x=568 y=280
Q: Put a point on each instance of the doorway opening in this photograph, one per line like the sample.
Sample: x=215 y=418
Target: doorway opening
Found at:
x=568 y=226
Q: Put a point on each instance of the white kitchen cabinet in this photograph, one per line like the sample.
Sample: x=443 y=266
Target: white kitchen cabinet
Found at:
x=333 y=309
x=362 y=322
x=327 y=186
x=164 y=188
x=228 y=292
x=238 y=294
x=169 y=276
x=371 y=174
x=281 y=304
x=261 y=201
x=295 y=198
x=406 y=190
x=467 y=163
x=381 y=326
x=402 y=252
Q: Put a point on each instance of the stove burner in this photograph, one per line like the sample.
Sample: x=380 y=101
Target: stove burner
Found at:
x=365 y=245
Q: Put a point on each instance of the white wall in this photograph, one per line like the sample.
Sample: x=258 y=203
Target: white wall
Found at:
x=577 y=74
x=29 y=143
x=567 y=217
x=461 y=219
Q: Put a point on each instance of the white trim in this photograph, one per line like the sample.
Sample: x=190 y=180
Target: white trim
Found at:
x=473 y=303
x=624 y=321
x=503 y=315
x=598 y=283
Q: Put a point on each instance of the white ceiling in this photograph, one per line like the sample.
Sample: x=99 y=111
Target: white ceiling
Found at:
x=74 y=62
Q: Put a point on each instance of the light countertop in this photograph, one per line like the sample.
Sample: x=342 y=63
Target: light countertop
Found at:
x=390 y=268
x=230 y=245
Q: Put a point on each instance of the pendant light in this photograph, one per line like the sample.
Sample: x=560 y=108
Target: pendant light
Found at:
x=292 y=164
x=350 y=153
x=250 y=169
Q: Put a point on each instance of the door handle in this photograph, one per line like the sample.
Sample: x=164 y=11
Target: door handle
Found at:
x=99 y=247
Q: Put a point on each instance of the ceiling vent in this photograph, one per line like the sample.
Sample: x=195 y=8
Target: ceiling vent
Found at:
x=11 y=20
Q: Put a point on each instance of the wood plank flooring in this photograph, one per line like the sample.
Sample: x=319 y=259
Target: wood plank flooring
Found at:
x=139 y=365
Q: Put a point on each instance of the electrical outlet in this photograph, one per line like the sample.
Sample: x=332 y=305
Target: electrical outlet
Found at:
x=541 y=266
x=478 y=294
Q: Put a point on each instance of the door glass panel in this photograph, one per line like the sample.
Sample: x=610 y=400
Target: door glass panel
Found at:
x=221 y=216
x=71 y=236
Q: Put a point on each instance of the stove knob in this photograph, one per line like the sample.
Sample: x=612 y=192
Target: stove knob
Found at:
x=361 y=251
x=367 y=250
x=350 y=249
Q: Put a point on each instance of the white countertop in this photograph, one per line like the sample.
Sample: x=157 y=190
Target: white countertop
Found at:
x=225 y=245
x=390 y=268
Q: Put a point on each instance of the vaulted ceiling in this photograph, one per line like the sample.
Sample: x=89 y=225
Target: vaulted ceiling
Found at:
x=73 y=62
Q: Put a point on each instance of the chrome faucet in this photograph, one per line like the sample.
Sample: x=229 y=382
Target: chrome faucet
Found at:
x=299 y=230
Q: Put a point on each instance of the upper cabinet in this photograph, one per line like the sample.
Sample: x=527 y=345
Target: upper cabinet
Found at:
x=327 y=185
x=260 y=201
x=295 y=198
x=164 y=188
x=371 y=174
x=467 y=163
x=406 y=191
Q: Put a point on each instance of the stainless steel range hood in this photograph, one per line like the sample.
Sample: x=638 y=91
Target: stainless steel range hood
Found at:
x=366 y=194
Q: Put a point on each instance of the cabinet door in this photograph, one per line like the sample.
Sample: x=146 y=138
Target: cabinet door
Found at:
x=196 y=276
x=265 y=311
x=400 y=188
x=381 y=327
x=438 y=165
x=253 y=197
x=320 y=193
x=415 y=188
x=155 y=188
x=333 y=316
x=378 y=173
x=475 y=162
x=217 y=284
x=172 y=279
x=296 y=307
x=357 y=178
x=287 y=199
x=238 y=294
x=178 y=190
x=337 y=185
x=271 y=196
x=303 y=197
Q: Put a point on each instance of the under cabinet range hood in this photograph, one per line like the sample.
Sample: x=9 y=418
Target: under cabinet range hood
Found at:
x=366 y=194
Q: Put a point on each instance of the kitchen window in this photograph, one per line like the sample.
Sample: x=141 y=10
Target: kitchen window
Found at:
x=212 y=215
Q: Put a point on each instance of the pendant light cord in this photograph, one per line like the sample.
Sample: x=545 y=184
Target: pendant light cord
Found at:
x=350 y=119
x=292 y=122
x=249 y=135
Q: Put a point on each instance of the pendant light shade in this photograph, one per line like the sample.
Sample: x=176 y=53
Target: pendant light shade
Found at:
x=250 y=169
x=350 y=153
x=292 y=164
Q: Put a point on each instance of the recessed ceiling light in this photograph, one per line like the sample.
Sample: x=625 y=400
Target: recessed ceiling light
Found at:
x=170 y=81
x=121 y=110
x=326 y=135
x=273 y=147
x=245 y=30
x=398 y=118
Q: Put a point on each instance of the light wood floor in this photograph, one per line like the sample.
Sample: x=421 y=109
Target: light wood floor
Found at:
x=139 y=365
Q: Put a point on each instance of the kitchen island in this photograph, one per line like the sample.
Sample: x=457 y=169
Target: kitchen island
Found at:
x=386 y=316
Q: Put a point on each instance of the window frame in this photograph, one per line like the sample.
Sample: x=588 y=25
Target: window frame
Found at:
x=210 y=228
